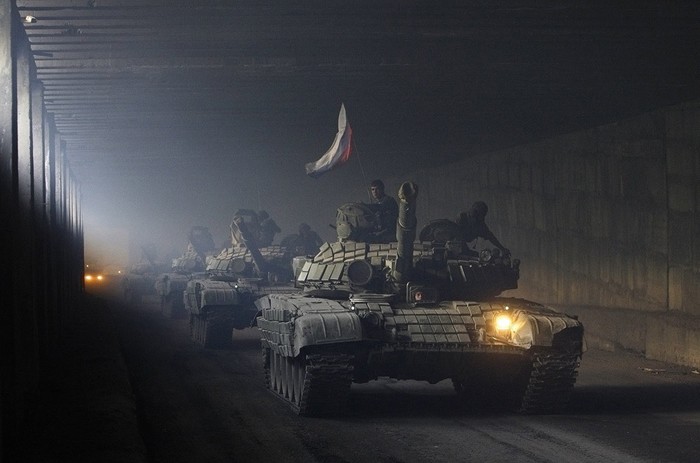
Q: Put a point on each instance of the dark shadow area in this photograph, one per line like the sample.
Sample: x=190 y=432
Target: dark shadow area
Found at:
x=599 y=400
x=244 y=344
x=375 y=405
x=585 y=400
x=85 y=410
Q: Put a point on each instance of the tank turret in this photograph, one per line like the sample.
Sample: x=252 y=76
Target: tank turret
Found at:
x=248 y=241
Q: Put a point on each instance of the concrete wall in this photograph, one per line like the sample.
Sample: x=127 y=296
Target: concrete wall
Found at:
x=605 y=221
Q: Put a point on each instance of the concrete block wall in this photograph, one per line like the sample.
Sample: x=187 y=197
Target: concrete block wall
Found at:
x=683 y=170
x=605 y=221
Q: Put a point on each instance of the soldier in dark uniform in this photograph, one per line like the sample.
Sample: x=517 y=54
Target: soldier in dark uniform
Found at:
x=268 y=229
x=472 y=225
x=386 y=209
x=308 y=241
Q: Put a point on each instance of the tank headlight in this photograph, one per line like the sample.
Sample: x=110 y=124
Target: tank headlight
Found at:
x=503 y=322
x=88 y=277
x=100 y=277
x=485 y=255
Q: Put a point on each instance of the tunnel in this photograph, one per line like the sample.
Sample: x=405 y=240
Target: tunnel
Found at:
x=123 y=124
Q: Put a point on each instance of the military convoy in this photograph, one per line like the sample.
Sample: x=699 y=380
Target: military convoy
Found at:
x=170 y=286
x=223 y=299
x=425 y=310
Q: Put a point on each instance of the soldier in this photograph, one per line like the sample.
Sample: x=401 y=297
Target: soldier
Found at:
x=268 y=229
x=386 y=210
x=252 y=222
x=472 y=225
x=308 y=241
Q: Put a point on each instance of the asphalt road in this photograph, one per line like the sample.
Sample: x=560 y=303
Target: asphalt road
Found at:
x=211 y=405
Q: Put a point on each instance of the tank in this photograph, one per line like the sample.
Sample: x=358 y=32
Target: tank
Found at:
x=222 y=300
x=140 y=278
x=427 y=310
x=170 y=286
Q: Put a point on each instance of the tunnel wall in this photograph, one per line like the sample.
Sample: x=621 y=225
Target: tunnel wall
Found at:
x=40 y=233
x=605 y=221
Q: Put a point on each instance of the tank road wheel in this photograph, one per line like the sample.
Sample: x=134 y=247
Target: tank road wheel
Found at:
x=280 y=374
x=286 y=370
x=297 y=376
x=313 y=385
x=274 y=372
x=550 y=382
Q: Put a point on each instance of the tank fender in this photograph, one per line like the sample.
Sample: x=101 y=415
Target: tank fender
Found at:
x=313 y=329
x=212 y=293
x=530 y=330
x=290 y=323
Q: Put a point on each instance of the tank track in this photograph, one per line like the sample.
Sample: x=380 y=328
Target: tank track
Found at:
x=171 y=307
x=324 y=388
x=210 y=332
x=550 y=383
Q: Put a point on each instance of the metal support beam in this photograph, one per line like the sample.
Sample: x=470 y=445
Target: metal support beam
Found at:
x=11 y=414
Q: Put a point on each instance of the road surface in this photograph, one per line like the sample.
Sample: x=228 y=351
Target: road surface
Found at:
x=211 y=405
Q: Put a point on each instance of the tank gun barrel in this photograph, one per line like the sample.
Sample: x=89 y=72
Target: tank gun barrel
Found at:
x=250 y=243
x=405 y=231
x=201 y=241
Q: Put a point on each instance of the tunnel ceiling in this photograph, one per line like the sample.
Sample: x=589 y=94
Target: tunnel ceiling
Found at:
x=134 y=85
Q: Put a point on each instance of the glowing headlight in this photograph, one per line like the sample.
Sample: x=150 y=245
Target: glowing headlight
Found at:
x=503 y=322
x=88 y=277
x=100 y=277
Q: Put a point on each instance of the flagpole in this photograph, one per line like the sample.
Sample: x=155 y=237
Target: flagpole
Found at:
x=362 y=169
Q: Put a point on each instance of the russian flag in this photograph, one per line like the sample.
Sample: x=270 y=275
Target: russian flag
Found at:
x=338 y=153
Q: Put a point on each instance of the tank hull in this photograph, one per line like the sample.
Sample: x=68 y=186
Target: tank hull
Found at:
x=136 y=286
x=170 y=288
x=216 y=308
x=340 y=342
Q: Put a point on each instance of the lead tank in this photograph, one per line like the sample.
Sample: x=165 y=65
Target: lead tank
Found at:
x=427 y=310
x=222 y=300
